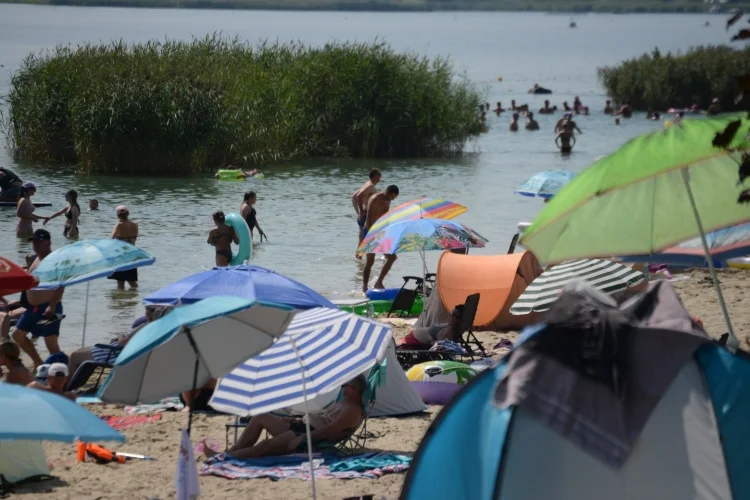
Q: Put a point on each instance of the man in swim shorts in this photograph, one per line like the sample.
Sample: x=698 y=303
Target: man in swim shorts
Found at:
x=43 y=307
x=565 y=139
x=376 y=208
x=362 y=196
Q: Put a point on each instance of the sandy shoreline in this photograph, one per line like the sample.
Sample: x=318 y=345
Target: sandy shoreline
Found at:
x=149 y=480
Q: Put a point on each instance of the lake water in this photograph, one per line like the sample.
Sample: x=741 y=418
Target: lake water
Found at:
x=305 y=208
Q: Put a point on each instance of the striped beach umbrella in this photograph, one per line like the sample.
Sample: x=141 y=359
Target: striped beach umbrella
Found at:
x=605 y=275
x=421 y=208
x=321 y=350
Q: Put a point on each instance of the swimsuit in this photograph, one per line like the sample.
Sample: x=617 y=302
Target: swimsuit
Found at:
x=104 y=355
x=226 y=253
x=24 y=225
x=69 y=216
x=33 y=315
x=130 y=274
x=361 y=219
x=251 y=220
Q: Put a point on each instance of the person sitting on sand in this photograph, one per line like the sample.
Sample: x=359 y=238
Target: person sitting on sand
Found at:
x=334 y=423
x=531 y=123
x=499 y=109
x=57 y=379
x=426 y=336
x=104 y=355
x=221 y=237
x=10 y=359
x=625 y=110
x=198 y=399
x=546 y=110
x=608 y=109
x=514 y=123
x=378 y=206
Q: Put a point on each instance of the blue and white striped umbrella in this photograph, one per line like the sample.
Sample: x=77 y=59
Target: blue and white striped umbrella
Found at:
x=333 y=346
x=545 y=184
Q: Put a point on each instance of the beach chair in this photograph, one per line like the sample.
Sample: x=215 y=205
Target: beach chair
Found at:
x=466 y=336
x=403 y=302
x=87 y=369
x=513 y=243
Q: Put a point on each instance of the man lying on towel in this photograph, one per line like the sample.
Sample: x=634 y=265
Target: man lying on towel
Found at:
x=428 y=335
x=334 y=423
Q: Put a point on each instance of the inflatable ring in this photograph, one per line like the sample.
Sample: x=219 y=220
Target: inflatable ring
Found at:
x=438 y=381
x=739 y=263
x=245 y=251
x=230 y=175
x=382 y=293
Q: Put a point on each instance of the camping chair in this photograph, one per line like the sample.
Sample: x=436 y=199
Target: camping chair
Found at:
x=403 y=302
x=87 y=369
x=467 y=339
x=513 y=243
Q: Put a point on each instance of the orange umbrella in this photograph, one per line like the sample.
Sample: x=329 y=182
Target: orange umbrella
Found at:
x=14 y=279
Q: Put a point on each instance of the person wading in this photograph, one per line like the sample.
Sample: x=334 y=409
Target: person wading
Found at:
x=377 y=207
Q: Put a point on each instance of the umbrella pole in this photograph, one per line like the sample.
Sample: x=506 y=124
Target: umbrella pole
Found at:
x=732 y=341
x=307 y=417
x=85 y=315
x=195 y=376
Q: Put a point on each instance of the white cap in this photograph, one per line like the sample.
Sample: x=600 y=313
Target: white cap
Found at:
x=41 y=372
x=57 y=369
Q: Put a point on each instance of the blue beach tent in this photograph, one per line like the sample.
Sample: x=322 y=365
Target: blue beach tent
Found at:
x=600 y=402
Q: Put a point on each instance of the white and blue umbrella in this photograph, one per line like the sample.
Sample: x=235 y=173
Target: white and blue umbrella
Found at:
x=87 y=260
x=37 y=415
x=322 y=350
x=191 y=345
x=545 y=184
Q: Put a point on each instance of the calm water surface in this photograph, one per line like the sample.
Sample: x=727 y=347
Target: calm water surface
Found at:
x=305 y=208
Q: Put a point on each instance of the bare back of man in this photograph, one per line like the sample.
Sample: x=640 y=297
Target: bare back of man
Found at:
x=361 y=198
x=378 y=206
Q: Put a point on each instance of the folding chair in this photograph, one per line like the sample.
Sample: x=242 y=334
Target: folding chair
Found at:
x=403 y=302
x=467 y=339
x=87 y=369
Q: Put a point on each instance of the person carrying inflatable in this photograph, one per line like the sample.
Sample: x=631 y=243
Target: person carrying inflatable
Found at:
x=221 y=237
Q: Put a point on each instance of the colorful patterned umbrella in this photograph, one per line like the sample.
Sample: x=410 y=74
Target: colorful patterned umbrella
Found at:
x=545 y=184
x=421 y=208
x=14 y=279
x=421 y=235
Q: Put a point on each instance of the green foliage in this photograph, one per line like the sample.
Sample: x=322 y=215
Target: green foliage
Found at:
x=175 y=107
x=660 y=81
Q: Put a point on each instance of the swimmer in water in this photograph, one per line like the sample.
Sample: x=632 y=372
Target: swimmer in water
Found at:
x=617 y=121
x=514 y=123
x=679 y=117
x=499 y=109
x=714 y=108
x=566 y=107
x=546 y=110
x=656 y=116
x=608 y=109
x=94 y=204
x=222 y=237
x=625 y=110
x=242 y=175
x=567 y=121
x=565 y=140
x=531 y=124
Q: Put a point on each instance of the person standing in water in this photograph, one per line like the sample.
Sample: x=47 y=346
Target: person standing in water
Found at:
x=25 y=211
x=531 y=123
x=514 y=123
x=361 y=198
x=127 y=231
x=378 y=206
x=247 y=211
x=625 y=110
x=222 y=237
x=608 y=109
x=565 y=139
x=72 y=212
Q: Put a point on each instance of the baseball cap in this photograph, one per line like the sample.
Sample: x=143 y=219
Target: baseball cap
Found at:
x=41 y=373
x=121 y=209
x=29 y=185
x=41 y=235
x=57 y=370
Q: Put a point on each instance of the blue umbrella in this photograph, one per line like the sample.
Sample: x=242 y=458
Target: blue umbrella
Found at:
x=191 y=345
x=247 y=282
x=43 y=416
x=87 y=260
x=545 y=184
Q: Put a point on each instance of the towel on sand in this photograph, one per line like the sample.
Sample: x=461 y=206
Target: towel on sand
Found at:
x=122 y=423
x=166 y=404
x=327 y=466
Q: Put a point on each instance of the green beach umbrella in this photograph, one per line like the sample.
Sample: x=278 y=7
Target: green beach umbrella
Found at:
x=657 y=190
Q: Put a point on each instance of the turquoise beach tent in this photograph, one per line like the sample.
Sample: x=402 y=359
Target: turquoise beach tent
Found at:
x=665 y=417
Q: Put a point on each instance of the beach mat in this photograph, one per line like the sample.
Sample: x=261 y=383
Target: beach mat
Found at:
x=119 y=423
x=327 y=466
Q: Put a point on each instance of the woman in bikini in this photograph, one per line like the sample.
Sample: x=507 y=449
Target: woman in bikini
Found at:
x=222 y=237
x=247 y=211
x=72 y=212
x=25 y=212
x=127 y=231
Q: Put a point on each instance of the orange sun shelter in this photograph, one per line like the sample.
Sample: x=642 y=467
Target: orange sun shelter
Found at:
x=499 y=280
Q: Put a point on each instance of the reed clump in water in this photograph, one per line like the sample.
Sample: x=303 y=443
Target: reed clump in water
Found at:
x=657 y=81
x=177 y=107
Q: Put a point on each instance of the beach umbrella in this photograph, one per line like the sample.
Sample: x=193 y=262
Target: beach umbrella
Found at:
x=545 y=184
x=31 y=414
x=654 y=192
x=421 y=208
x=605 y=275
x=252 y=283
x=322 y=350
x=191 y=345
x=723 y=245
x=14 y=279
x=88 y=260
x=421 y=235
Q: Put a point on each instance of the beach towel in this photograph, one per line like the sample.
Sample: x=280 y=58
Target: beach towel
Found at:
x=327 y=466
x=448 y=347
x=166 y=404
x=122 y=423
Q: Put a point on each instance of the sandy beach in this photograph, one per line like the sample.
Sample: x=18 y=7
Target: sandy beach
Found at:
x=138 y=479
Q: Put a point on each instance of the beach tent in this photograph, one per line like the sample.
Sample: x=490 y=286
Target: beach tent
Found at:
x=21 y=460
x=659 y=411
x=498 y=279
x=396 y=397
